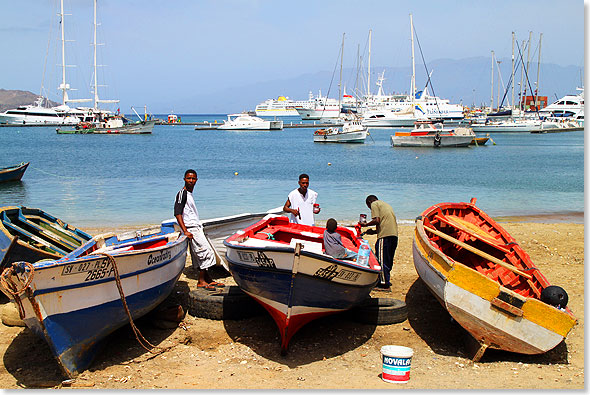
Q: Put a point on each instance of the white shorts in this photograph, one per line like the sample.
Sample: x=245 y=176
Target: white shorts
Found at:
x=202 y=254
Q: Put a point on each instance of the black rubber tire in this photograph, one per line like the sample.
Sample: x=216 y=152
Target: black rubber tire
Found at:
x=380 y=311
x=228 y=303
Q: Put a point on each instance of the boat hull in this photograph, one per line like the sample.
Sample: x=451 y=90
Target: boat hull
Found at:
x=429 y=141
x=351 y=137
x=475 y=300
x=145 y=127
x=75 y=304
x=296 y=288
x=14 y=173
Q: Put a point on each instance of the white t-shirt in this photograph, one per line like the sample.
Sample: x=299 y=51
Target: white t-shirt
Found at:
x=190 y=214
x=305 y=205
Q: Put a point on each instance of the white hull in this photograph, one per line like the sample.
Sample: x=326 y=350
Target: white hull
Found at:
x=41 y=119
x=320 y=113
x=284 y=112
x=524 y=127
x=342 y=137
x=247 y=122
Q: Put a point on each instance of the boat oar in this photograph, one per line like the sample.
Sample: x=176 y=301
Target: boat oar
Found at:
x=480 y=253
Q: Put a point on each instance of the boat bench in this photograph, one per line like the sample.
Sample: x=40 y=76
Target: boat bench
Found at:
x=284 y=234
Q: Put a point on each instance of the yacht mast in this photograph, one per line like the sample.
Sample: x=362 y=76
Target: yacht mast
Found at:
x=413 y=81
x=538 y=72
x=95 y=73
x=528 y=60
x=340 y=82
x=63 y=87
x=492 y=84
x=512 y=79
x=369 y=66
x=521 y=77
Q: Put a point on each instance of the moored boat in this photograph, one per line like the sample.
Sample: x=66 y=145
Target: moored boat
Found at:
x=13 y=173
x=487 y=282
x=429 y=134
x=111 y=125
x=247 y=122
x=351 y=132
x=75 y=302
x=283 y=267
x=31 y=234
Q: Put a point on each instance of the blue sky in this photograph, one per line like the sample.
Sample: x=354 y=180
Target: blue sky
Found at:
x=168 y=51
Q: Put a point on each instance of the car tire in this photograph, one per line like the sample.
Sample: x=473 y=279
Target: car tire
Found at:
x=380 y=311
x=228 y=303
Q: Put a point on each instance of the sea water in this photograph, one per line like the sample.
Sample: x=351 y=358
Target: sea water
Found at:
x=102 y=180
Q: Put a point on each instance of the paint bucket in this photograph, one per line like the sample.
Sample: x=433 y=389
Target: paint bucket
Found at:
x=396 y=363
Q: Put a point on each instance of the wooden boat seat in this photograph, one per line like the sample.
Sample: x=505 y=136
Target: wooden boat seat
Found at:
x=7 y=223
x=45 y=233
x=284 y=234
x=63 y=230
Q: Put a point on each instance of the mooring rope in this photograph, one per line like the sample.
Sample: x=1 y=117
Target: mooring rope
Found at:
x=11 y=288
x=140 y=338
x=51 y=174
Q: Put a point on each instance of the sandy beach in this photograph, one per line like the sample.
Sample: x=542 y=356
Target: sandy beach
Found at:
x=332 y=352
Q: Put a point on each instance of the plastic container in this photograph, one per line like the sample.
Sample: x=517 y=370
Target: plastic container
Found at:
x=364 y=253
x=397 y=361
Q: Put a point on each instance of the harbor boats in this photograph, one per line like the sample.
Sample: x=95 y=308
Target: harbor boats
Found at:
x=13 y=173
x=76 y=301
x=280 y=107
x=114 y=124
x=37 y=114
x=31 y=234
x=351 y=132
x=283 y=266
x=479 y=140
x=430 y=134
x=247 y=122
x=569 y=106
x=487 y=282
x=512 y=125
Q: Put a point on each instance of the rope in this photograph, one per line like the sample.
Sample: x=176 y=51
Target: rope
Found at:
x=52 y=174
x=140 y=339
x=10 y=286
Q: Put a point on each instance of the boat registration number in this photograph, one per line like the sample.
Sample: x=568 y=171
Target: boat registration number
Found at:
x=94 y=270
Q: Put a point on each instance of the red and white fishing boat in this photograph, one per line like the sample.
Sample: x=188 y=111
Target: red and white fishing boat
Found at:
x=487 y=282
x=431 y=134
x=283 y=266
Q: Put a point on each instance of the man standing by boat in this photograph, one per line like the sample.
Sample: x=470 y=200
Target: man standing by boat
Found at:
x=386 y=229
x=301 y=202
x=185 y=211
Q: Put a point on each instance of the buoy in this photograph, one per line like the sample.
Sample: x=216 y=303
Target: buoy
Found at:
x=329 y=163
x=416 y=157
x=236 y=173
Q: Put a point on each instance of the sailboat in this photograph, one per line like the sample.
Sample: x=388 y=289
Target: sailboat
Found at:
x=104 y=121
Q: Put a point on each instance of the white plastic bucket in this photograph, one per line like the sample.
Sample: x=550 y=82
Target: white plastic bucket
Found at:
x=396 y=363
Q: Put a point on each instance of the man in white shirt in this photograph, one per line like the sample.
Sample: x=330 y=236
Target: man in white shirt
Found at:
x=187 y=216
x=300 y=203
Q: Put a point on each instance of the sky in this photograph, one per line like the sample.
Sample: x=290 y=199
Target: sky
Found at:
x=169 y=52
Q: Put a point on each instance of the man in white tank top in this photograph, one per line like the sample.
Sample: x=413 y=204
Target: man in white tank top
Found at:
x=187 y=216
x=300 y=203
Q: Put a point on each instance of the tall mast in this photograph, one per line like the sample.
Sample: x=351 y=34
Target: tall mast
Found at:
x=63 y=87
x=369 y=66
x=528 y=60
x=512 y=79
x=538 y=71
x=340 y=83
x=521 y=77
x=492 y=84
x=413 y=81
x=95 y=73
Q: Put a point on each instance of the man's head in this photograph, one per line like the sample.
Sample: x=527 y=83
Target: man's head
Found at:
x=370 y=199
x=331 y=225
x=303 y=183
x=190 y=179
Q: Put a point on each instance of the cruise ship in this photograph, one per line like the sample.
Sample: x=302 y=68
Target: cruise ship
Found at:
x=280 y=107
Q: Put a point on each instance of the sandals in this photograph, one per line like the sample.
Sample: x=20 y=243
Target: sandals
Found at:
x=208 y=287
x=217 y=284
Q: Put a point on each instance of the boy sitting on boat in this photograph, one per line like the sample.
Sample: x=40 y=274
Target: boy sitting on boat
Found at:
x=333 y=242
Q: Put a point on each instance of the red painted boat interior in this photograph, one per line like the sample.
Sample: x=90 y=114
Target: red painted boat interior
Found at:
x=453 y=219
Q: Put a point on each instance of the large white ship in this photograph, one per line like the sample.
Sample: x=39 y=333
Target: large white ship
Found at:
x=280 y=107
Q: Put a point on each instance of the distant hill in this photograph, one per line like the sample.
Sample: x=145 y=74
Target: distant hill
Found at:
x=13 y=98
x=464 y=81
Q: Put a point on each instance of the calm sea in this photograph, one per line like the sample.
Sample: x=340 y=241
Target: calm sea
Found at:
x=103 y=180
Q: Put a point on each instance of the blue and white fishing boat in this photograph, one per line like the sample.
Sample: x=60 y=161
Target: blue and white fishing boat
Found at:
x=13 y=173
x=75 y=302
x=284 y=267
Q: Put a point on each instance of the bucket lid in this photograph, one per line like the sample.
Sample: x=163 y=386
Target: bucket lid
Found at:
x=397 y=351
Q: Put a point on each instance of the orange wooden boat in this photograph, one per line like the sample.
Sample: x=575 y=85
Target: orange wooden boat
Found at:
x=487 y=282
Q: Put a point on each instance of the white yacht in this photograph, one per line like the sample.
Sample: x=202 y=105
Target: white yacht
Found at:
x=351 y=132
x=319 y=107
x=569 y=106
x=36 y=114
x=247 y=122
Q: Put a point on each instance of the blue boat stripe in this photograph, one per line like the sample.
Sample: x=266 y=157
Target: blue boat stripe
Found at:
x=104 y=280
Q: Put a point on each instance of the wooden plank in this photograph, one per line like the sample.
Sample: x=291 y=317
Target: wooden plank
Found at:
x=479 y=252
x=486 y=239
